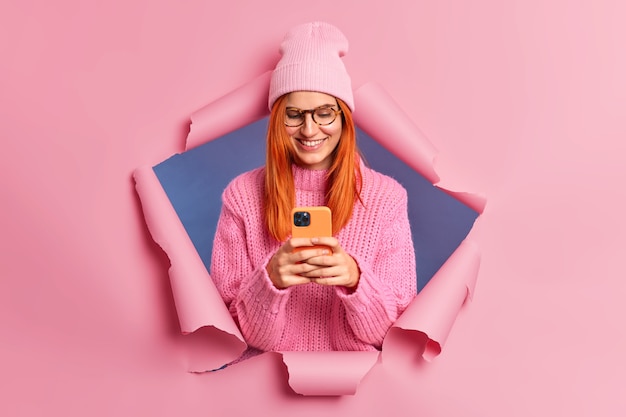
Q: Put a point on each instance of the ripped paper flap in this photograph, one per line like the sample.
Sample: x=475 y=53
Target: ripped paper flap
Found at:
x=433 y=312
x=327 y=373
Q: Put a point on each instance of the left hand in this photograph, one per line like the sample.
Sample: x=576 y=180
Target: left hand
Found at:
x=338 y=268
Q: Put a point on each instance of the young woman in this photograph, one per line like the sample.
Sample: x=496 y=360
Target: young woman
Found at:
x=342 y=298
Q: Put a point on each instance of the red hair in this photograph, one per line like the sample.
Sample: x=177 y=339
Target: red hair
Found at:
x=344 y=174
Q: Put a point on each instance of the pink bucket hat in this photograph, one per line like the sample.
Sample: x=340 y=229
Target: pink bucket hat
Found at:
x=311 y=61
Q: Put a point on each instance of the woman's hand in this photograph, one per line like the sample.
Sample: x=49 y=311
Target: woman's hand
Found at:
x=321 y=266
x=289 y=267
x=336 y=268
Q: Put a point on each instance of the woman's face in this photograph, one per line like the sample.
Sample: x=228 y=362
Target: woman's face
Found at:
x=313 y=144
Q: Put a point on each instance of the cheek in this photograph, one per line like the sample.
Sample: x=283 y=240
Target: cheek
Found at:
x=334 y=133
x=290 y=131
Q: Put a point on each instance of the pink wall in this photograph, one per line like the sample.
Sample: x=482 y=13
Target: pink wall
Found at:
x=525 y=101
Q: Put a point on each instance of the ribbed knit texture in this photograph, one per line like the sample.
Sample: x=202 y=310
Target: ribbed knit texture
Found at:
x=311 y=61
x=314 y=317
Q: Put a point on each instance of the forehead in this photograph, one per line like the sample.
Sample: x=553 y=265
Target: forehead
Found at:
x=309 y=99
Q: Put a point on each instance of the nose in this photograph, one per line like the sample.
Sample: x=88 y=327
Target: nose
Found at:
x=309 y=127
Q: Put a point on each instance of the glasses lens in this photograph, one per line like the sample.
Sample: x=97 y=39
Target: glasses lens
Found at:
x=324 y=116
x=294 y=117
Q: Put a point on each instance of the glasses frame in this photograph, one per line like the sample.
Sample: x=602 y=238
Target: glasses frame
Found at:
x=312 y=112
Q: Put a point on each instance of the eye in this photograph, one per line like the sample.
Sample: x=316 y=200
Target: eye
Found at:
x=324 y=113
x=294 y=114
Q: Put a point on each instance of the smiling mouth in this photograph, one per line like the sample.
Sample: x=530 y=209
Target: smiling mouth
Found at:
x=311 y=143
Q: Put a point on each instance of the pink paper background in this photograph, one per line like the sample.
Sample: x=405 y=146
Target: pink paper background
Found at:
x=525 y=101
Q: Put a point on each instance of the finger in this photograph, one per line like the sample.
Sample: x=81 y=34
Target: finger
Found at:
x=306 y=270
x=329 y=241
x=324 y=261
x=327 y=272
x=304 y=255
x=314 y=273
x=330 y=281
x=298 y=242
x=290 y=245
x=285 y=280
x=295 y=280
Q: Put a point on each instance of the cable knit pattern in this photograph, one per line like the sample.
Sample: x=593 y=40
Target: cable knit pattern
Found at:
x=314 y=317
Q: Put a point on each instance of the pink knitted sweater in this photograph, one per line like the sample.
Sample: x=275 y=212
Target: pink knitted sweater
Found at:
x=314 y=317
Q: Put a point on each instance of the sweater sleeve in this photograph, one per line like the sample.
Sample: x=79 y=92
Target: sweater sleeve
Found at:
x=256 y=305
x=388 y=283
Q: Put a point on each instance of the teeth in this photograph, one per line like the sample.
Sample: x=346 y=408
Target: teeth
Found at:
x=311 y=142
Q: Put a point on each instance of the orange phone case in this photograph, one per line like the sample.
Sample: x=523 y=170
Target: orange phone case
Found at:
x=320 y=224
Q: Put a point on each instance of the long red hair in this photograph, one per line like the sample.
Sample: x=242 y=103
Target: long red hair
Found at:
x=344 y=174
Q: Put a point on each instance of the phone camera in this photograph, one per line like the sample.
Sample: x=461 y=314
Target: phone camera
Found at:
x=302 y=218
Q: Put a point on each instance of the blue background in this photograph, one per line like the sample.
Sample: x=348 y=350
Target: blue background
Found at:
x=195 y=179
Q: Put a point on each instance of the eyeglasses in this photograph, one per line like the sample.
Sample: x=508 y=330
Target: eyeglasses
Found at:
x=323 y=116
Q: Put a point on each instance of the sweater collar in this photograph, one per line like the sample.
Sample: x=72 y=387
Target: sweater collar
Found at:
x=309 y=179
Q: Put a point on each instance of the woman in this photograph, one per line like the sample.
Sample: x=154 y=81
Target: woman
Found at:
x=345 y=298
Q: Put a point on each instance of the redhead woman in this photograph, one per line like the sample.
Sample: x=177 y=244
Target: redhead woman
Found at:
x=345 y=297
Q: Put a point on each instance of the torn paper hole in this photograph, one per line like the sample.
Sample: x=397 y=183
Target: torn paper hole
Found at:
x=181 y=202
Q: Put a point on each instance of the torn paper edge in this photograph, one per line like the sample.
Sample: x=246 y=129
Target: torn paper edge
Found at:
x=402 y=137
x=316 y=373
x=198 y=303
x=398 y=134
x=237 y=109
x=434 y=310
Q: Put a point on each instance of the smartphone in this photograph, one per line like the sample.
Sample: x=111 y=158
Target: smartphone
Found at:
x=311 y=222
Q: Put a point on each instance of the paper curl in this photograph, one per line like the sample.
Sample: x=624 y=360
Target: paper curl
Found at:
x=316 y=373
x=433 y=312
x=237 y=109
x=195 y=295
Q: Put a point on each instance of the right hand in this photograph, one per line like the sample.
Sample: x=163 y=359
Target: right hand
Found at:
x=286 y=266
